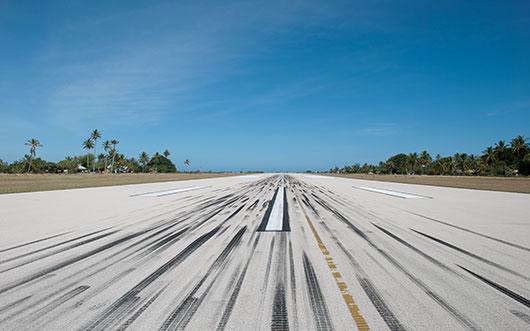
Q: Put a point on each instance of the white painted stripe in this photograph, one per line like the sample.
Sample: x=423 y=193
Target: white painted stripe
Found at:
x=275 y=222
x=169 y=192
x=319 y=177
x=393 y=193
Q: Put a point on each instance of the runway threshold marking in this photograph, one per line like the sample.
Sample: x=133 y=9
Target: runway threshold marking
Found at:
x=355 y=312
x=276 y=217
x=167 y=192
x=398 y=194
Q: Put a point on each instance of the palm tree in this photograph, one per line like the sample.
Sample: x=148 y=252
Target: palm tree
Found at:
x=187 y=163
x=33 y=144
x=107 y=148
x=445 y=165
x=166 y=153
x=95 y=135
x=519 y=147
x=425 y=159
x=490 y=157
x=101 y=158
x=412 y=160
x=500 y=149
x=88 y=145
x=114 y=142
x=144 y=159
x=155 y=158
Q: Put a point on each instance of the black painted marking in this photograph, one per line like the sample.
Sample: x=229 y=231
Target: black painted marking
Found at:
x=285 y=225
x=267 y=215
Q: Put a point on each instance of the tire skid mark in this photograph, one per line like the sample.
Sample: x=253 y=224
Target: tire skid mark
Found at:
x=59 y=301
x=65 y=249
x=227 y=312
x=317 y=302
x=97 y=290
x=268 y=268
x=27 y=309
x=279 y=318
x=293 y=286
x=137 y=314
x=500 y=288
x=524 y=317
x=380 y=305
x=33 y=242
x=148 y=244
x=471 y=231
x=71 y=261
x=13 y=304
x=420 y=252
x=253 y=205
x=163 y=243
x=181 y=316
x=52 y=246
x=125 y=302
x=57 y=292
x=465 y=252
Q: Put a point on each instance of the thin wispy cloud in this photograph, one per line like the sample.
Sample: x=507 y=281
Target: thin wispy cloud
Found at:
x=380 y=130
x=139 y=81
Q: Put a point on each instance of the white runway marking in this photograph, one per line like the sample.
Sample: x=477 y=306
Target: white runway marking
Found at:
x=318 y=177
x=276 y=218
x=169 y=192
x=393 y=193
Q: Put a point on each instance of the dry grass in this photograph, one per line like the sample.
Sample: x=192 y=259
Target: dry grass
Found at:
x=10 y=183
x=506 y=184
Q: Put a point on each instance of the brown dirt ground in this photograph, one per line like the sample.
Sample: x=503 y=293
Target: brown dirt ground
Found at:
x=15 y=183
x=506 y=184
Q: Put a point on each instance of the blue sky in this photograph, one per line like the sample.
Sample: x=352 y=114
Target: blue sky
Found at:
x=272 y=85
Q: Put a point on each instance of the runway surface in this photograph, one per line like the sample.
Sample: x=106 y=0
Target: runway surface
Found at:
x=279 y=252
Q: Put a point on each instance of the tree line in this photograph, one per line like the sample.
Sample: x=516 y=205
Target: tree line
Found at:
x=109 y=160
x=502 y=159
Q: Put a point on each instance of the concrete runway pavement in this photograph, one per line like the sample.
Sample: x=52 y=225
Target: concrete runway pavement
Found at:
x=300 y=252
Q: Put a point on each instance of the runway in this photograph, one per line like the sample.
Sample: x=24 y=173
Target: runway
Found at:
x=267 y=251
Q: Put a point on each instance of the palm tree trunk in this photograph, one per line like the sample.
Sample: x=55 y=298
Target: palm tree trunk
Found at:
x=29 y=165
x=95 y=154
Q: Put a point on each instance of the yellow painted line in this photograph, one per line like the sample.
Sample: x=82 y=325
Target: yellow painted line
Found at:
x=343 y=287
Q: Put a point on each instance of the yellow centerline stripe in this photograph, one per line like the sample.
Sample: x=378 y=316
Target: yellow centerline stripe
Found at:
x=343 y=287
